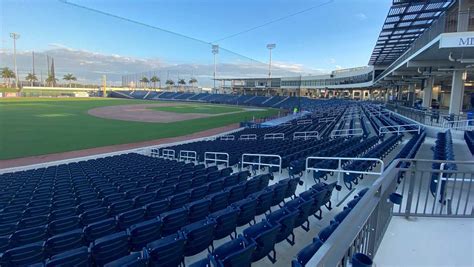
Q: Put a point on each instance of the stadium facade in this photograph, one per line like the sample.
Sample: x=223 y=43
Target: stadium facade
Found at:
x=425 y=52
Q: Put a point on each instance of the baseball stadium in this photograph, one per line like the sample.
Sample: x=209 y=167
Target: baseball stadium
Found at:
x=169 y=149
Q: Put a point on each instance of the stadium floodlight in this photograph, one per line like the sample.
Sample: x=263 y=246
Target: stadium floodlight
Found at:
x=270 y=47
x=215 y=51
x=15 y=36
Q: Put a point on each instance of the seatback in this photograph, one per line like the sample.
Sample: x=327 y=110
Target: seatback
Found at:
x=118 y=207
x=135 y=259
x=226 y=222
x=279 y=191
x=286 y=219
x=130 y=217
x=24 y=255
x=247 y=210
x=236 y=193
x=327 y=231
x=64 y=242
x=251 y=186
x=109 y=248
x=304 y=255
x=264 y=235
x=303 y=207
x=173 y=220
x=198 y=193
x=94 y=215
x=156 y=208
x=178 y=200
x=100 y=229
x=27 y=236
x=75 y=257
x=33 y=221
x=62 y=213
x=143 y=199
x=264 y=201
x=167 y=251
x=218 y=200
x=235 y=253
x=64 y=225
x=198 y=210
x=199 y=236
x=144 y=232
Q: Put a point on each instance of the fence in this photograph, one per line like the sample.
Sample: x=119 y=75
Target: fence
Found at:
x=462 y=125
x=304 y=122
x=306 y=135
x=213 y=158
x=364 y=227
x=259 y=162
x=398 y=129
x=188 y=155
x=246 y=137
x=328 y=119
x=168 y=153
x=274 y=136
x=227 y=138
x=347 y=132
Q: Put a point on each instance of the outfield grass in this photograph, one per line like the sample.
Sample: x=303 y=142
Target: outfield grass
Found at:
x=37 y=126
x=198 y=108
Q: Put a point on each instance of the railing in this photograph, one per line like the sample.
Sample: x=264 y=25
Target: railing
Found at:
x=168 y=153
x=213 y=158
x=274 y=136
x=155 y=153
x=246 y=137
x=227 y=138
x=328 y=119
x=462 y=125
x=426 y=197
x=398 y=129
x=188 y=155
x=347 y=132
x=306 y=135
x=259 y=162
x=364 y=227
x=304 y=122
x=341 y=161
x=286 y=124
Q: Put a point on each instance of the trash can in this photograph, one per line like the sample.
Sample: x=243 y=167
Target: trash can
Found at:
x=470 y=117
x=361 y=260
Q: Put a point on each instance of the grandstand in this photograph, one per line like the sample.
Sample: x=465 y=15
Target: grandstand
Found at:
x=342 y=182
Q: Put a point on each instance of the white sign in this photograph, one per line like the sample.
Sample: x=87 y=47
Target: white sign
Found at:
x=465 y=39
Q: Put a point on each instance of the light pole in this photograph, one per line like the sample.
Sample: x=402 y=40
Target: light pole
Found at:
x=270 y=47
x=215 y=51
x=15 y=36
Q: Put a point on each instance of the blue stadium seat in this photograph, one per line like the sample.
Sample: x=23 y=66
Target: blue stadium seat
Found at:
x=135 y=259
x=247 y=210
x=94 y=215
x=198 y=181
x=303 y=208
x=164 y=192
x=156 y=208
x=215 y=186
x=24 y=255
x=226 y=222
x=62 y=213
x=236 y=193
x=64 y=225
x=75 y=257
x=342 y=215
x=264 y=201
x=10 y=217
x=131 y=193
x=279 y=191
x=100 y=229
x=218 y=200
x=198 y=210
x=33 y=221
x=251 y=186
x=173 y=220
x=125 y=219
x=182 y=186
x=143 y=199
x=235 y=253
x=118 y=207
x=286 y=219
x=178 y=200
x=198 y=193
x=109 y=199
x=64 y=242
x=4 y=243
x=27 y=236
x=37 y=211
x=168 y=251
x=304 y=255
x=326 y=232
x=144 y=233
x=87 y=205
x=8 y=228
x=109 y=248
x=199 y=236
x=264 y=235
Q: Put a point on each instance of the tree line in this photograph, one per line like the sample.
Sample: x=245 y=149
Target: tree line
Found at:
x=8 y=75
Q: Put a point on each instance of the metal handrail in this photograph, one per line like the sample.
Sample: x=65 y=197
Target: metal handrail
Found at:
x=403 y=128
x=185 y=155
x=304 y=122
x=227 y=138
x=246 y=137
x=347 y=132
x=305 y=135
x=168 y=154
x=260 y=163
x=274 y=136
x=215 y=160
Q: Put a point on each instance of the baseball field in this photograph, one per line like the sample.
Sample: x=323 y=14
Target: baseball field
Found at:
x=38 y=126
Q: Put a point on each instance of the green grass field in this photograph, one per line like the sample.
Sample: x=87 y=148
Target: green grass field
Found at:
x=198 y=108
x=37 y=126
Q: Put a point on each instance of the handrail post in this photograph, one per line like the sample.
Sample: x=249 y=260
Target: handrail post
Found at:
x=411 y=188
x=438 y=186
x=339 y=174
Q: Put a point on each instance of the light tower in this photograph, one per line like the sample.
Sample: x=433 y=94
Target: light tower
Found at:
x=215 y=51
x=15 y=36
x=270 y=47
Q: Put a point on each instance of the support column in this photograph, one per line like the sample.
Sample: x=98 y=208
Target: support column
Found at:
x=463 y=16
x=411 y=94
x=457 y=92
x=428 y=92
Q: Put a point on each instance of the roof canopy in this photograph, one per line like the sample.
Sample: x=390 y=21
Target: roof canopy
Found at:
x=406 y=20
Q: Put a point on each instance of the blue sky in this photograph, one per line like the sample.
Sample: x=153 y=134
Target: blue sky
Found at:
x=341 y=33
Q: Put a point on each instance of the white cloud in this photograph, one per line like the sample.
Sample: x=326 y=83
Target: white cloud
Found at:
x=361 y=16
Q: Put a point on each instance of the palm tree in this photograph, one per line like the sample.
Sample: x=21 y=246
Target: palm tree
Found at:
x=192 y=81
x=51 y=80
x=154 y=80
x=182 y=82
x=31 y=77
x=169 y=83
x=145 y=81
x=7 y=75
x=69 y=78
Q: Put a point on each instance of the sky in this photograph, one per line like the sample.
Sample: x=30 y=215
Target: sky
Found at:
x=330 y=34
